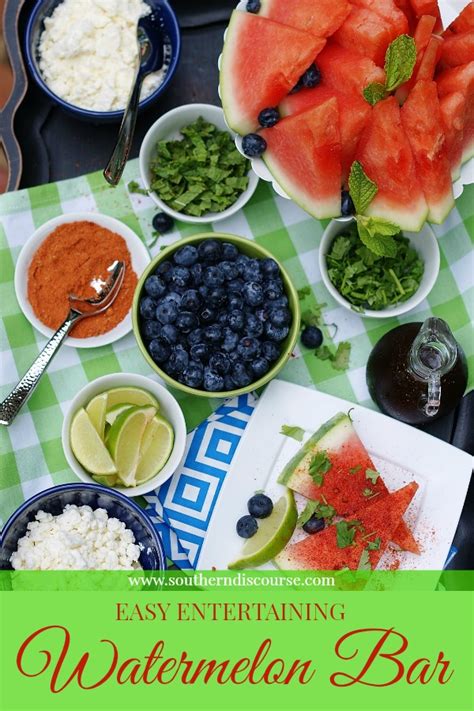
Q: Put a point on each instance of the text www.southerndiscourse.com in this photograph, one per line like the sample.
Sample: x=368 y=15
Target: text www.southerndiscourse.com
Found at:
x=240 y=580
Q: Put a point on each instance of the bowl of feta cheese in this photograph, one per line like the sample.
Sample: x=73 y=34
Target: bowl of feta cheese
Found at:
x=80 y=527
x=83 y=55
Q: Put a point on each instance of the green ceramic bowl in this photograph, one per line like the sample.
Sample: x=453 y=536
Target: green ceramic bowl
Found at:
x=245 y=246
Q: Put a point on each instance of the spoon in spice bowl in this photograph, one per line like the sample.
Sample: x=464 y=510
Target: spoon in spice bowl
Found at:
x=79 y=309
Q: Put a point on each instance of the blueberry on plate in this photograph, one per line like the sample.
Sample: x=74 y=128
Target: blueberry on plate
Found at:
x=235 y=302
x=193 y=375
x=167 y=311
x=148 y=307
x=169 y=333
x=268 y=117
x=312 y=337
x=229 y=251
x=246 y=526
x=209 y=251
x=280 y=316
x=253 y=145
x=208 y=315
x=162 y=222
x=252 y=293
x=155 y=286
x=191 y=300
x=159 y=350
x=186 y=321
x=263 y=313
x=229 y=269
x=203 y=291
x=260 y=506
x=196 y=274
x=229 y=344
x=186 y=256
x=235 y=286
x=260 y=366
x=313 y=525
x=213 y=276
x=200 y=351
x=180 y=276
x=219 y=363
x=213 y=381
x=270 y=351
x=228 y=382
x=253 y=326
x=311 y=77
x=222 y=318
x=196 y=336
x=240 y=375
x=213 y=333
x=269 y=267
x=172 y=296
x=281 y=301
x=248 y=348
x=164 y=270
x=217 y=297
x=276 y=333
x=236 y=320
x=253 y=6
x=150 y=330
x=273 y=289
x=178 y=360
x=347 y=205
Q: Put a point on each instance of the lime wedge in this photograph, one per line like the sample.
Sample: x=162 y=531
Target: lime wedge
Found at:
x=105 y=480
x=96 y=410
x=131 y=396
x=157 y=444
x=124 y=440
x=113 y=412
x=272 y=536
x=88 y=447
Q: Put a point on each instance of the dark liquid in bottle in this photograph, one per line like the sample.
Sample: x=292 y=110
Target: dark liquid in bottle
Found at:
x=396 y=390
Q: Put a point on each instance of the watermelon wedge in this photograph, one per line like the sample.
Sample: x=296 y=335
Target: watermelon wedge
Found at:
x=346 y=481
x=425 y=7
x=461 y=79
x=378 y=520
x=453 y=109
x=261 y=61
x=457 y=49
x=366 y=33
x=406 y=8
x=354 y=113
x=464 y=21
x=430 y=58
x=422 y=36
x=389 y=11
x=346 y=71
x=304 y=154
x=424 y=127
x=321 y=18
x=387 y=158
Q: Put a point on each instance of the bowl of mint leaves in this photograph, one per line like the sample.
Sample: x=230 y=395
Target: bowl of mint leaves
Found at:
x=373 y=284
x=191 y=167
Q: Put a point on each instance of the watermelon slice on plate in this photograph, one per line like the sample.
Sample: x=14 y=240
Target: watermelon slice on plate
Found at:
x=354 y=114
x=453 y=109
x=375 y=523
x=366 y=33
x=424 y=127
x=464 y=21
x=422 y=36
x=304 y=154
x=344 y=484
x=389 y=11
x=457 y=49
x=321 y=18
x=261 y=62
x=430 y=58
x=346 y=71
x=461 y=79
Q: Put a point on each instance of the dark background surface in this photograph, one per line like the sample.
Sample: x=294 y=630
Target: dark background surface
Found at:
x=56 y=146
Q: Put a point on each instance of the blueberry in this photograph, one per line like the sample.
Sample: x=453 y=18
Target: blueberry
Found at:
x=164 y=270
x=217 y=297
x=250 y=270
x=230 y=270
x=312 y=337
x=273 y=289
x=347 y=206
x=242 y=259
x=230 y=341
x=203 y=291
x=260 y=367
x=311 y=77
x=281 y=301
x=240 y=375
x=235 y=286
x=229 y=251
x=270 y=351
x=222 y=318
x=196 y=274
x=148 y=307
x=159 y=350
x=213 y=333
x=269 y=267
x=150 y=330
x=213 y=276
x=208 y=315
x=247 y=526
x=180 y=276
x=210 y=251
x=268 y=117
x=167 y=311
x=200 y=351
x=162 y=222
x=236 y=321
x=178 y=360
x=172 y=296
x=228 y=382
x=313 y=525
x=219 y=363
x=248 y=348
x=186 y=256
x=253 y=325
x=196 y=336
x=193 y=375
x=213 y=381
x=253 y=145
x=235 y=302
x=155 y=286
x=253 y=6
x=186 y=321
x=252 y=293
x=169 y=334
x=280 y=316
x=263 y=313
x=260 y=506
x=276 y=333
x=191 y=300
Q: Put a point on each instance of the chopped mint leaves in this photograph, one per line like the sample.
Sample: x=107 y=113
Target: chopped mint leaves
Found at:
x=293 y=432
x=319 y=466
x=374 y=92
x=367 y=492
x=362 y=189
x=345 y=532
x=339 y=358
x=304 y=292
x=400 y=60
x=307 y=512
x=134 y=187
x=354 y=470
x=364 y=562
x=372 y=475
x=374 y=545
x=313 y=316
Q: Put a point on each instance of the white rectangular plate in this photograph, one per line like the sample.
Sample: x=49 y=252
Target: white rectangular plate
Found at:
x=400 y=452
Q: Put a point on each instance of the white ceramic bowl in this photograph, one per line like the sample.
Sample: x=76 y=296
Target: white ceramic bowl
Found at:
x=424 y=242
x=169 y=408
x=168 y=128
x=138 y=253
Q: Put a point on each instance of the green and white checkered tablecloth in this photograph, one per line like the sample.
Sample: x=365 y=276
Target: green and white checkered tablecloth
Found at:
x=31 y=456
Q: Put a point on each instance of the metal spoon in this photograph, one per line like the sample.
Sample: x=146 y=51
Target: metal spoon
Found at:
x=150 y=59
x=79 y=309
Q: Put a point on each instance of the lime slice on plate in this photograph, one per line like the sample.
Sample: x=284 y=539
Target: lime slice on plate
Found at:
x=157 y=445
x=131 y=396
x=124 y=440
x=113 y=412
x=272 y=536
x=88 y=447
x=105 y=480
x=96 y=410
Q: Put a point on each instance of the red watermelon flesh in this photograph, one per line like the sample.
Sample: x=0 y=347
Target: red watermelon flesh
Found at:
x=377 y=520
x=353 y=116
x=425 y=7
x=304 y=154
x=347 y=71
x=389 y=11
x=387 y=158
x=424 y=127
x=427 y=68
x=457 y=49
x=406 y=8
x=261 y=61
x=422 y=36
x=321 y=18
x=461 y=79
x=366 y=33
x=453 y=107
x=465 y=20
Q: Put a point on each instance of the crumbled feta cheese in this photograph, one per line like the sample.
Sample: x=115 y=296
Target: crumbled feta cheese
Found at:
x=88 y=52
x=79 y=538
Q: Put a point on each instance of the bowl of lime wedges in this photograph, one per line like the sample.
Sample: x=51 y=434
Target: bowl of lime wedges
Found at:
x=124 y=431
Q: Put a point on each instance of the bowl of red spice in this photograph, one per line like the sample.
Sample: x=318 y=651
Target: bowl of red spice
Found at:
x=73 y=254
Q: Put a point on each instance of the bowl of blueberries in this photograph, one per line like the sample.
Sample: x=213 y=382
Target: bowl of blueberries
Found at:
x=216 y=314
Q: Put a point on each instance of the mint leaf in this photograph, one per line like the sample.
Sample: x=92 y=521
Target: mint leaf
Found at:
x=323 y=353
x=372 y=475
x=364 y=562
x=400 y=60
x=313 y=316
x=342 y=355
x=374 y=545
x=319 y=466
x=381 y=243
x=293 y=432
x=345 y=533
x=307 y=512
x=134 y=187
x=374 y=92
x=362 y=189
x=354 y=470
x=367 y=492
x=302 y=293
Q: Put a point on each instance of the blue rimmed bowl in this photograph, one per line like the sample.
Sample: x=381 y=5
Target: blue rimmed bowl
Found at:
x=54 y=500
x=35 y=27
